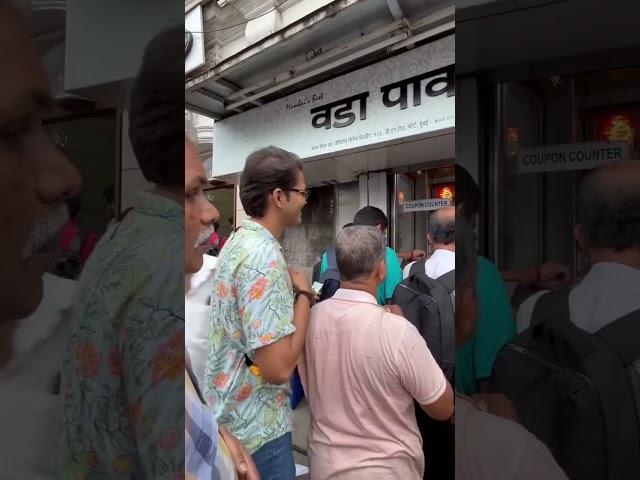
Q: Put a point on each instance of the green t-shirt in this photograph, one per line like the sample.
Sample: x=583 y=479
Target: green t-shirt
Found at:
x=494 y=328
x=386 y=288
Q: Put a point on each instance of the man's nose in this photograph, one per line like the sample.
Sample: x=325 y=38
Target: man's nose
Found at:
x=57 y=178
x=210 y=214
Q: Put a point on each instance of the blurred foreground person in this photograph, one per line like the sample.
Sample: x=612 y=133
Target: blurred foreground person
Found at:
x=211 y=453
x=574 y=373
x=124 y=364
x=35 y=181
x=489 y=447
x=362 y=368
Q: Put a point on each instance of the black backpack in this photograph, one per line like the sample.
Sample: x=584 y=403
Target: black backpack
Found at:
x=576 y=391
x=330 y=278
x=426 y=303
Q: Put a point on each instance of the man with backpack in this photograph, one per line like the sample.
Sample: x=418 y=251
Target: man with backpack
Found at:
x=374 y=217
x=441 y=237
x=574 y=373
x=426 y=297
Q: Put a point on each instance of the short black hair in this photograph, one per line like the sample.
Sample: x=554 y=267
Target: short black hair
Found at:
x=371 y=216
x=467 y=192
x=156 y=105
x=609 y=215
x=442 y=229
x=264 y=171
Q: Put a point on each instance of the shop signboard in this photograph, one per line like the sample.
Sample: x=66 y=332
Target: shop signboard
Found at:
x=571 y=156
x=425 y=205
x=403 y=96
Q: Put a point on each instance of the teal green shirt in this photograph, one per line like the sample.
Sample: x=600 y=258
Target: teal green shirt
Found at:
x=494 y=328
x=386 y=288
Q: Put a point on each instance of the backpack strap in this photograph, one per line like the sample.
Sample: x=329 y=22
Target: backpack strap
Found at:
x=332 y=260
x=448 y=281
x=617 y=389
x=552 y=305
x=622 y=336
x=417 y=267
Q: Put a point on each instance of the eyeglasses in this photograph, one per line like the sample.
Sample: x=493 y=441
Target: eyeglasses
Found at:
x=304 y=193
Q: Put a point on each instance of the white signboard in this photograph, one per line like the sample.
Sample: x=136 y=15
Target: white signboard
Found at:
x=409 y=94
x=571 y=156
x=193 y=40
x=425 y=205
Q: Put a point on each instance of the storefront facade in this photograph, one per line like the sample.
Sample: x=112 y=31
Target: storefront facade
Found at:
x=535 y=122
x=382 y=134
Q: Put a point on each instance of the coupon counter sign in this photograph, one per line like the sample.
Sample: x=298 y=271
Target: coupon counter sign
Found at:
x=425 y=205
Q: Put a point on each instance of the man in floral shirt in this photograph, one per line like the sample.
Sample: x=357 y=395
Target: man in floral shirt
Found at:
x=124 y=367
x=258 y=327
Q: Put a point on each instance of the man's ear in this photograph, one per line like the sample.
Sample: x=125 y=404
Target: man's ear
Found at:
x=382 y=270
x=429 y=238
x=278 y=197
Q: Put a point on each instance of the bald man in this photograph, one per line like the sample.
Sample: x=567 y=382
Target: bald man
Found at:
x=441 y=236
x=608 y=236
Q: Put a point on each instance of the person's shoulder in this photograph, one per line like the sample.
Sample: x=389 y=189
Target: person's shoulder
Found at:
x=487 y=270
x=397 y=328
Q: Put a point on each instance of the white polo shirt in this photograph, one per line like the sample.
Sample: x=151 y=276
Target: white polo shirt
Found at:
x=196 y=310
x=441 y=262
x=609 y=291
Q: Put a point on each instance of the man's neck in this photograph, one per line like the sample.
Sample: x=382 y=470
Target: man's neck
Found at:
x=630 y=258
x=275 y=227
x=441 y=246
x=365 y=286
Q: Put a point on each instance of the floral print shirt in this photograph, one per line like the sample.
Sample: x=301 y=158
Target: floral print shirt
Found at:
x=251 y=307
x=124 y=364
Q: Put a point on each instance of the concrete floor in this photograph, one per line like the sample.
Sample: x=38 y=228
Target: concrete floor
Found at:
x=301 y=424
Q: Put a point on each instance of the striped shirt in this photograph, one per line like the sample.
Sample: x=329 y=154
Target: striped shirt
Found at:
x=206 y=454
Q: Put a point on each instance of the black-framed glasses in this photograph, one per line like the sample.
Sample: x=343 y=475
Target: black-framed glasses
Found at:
x=304 y=193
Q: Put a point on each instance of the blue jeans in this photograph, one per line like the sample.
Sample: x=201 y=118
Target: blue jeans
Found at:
x=275 y=459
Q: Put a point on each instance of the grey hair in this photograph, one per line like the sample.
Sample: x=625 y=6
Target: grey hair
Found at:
x=359 y=250
x=466 y=260
x=442 y=228
x=609 y=214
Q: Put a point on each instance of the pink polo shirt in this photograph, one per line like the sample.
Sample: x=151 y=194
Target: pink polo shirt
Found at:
x=361 y=370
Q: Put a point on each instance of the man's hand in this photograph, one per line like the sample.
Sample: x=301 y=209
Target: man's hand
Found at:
x=299 y=279
x=418 y=255
x=498 y=404
x=241 y=458
x=554 y=271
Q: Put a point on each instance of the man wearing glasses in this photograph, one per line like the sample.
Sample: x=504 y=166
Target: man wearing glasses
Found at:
x=259 y=315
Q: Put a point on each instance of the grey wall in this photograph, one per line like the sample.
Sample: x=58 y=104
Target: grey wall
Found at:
x=105 y=40
x=304 y=243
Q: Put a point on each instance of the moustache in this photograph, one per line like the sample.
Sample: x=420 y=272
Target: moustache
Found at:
x=44 y=229
x=204 y=236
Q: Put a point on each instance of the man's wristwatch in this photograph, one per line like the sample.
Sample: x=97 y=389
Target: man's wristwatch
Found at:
x=305 y=293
